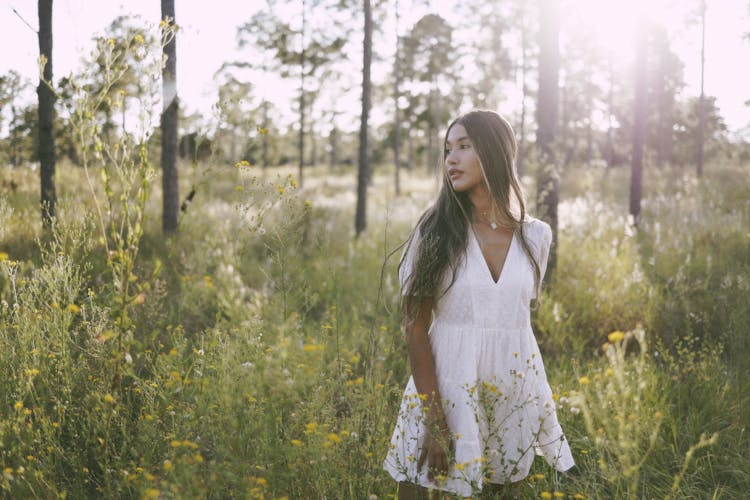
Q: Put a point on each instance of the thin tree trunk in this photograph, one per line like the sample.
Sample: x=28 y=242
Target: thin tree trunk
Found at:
x=301 y=145
x=548 y=117
x=170 y=188
x=396 y=113
x=525 y=91
x=362 y=177
x=639 y=125
x=701 y=101
x=611 y=109
x=332 y=159
x=46 y=116
x=264 y=139
x=410 y=162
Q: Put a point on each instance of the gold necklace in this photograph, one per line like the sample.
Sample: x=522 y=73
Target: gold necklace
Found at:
x=489 y=222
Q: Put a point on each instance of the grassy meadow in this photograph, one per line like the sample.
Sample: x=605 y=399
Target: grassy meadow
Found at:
x=258 y=354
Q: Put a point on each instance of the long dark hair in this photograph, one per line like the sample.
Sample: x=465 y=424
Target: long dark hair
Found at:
x=442 y=231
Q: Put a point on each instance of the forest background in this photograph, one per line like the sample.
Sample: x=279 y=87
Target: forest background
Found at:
x=196 y=307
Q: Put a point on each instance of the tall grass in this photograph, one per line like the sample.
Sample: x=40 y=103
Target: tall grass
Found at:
x=255 y=354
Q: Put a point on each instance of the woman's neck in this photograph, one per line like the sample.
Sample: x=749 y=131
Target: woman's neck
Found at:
x=481 y=201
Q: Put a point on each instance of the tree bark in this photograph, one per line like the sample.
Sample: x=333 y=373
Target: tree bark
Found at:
x=524 y=93
x=301 y=140
x=396 y=111
x=170 y=188
x=702 y=100
x=46 y=112
x=639 y=125
x=547 y=120
x=360 y=221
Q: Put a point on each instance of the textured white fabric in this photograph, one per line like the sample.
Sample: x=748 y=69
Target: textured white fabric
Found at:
x=491 y=378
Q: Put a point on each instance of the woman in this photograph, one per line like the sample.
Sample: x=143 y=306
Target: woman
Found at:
x=478 y=406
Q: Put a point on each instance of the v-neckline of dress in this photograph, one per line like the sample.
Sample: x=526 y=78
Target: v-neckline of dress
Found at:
x=487 y=267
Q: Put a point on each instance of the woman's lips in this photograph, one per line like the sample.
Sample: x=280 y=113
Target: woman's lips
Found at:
x=453 y=173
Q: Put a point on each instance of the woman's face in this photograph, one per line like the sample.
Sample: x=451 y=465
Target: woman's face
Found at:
x=461 y=162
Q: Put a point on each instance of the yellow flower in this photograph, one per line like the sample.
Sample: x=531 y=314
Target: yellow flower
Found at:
x=152 y=493
x=312 y=347
x=3 y=256
x=334 y=438
x=609 y=372
x=168 y=465
x=280 y=189
x=175 y=443
x=111 y=42
x=18 y=405
x=73 y=308
x=262 y=130
x=538 y=476
x=109 y=399
x=545 y=494
x=584 y=380
x=558 y=494
x=308 y=204
x=579 y=496
x=32 y=372
x=616 y=336
x=296 y=442
x=138 y=38
x=311 y=427
x=460 y=466
x=198 y=458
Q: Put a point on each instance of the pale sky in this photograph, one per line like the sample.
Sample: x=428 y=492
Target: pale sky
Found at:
x=207 y=39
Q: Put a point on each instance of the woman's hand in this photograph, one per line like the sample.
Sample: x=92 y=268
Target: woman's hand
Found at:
x=438 y=446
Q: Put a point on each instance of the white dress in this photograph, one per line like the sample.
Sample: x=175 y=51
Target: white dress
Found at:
x=494 y=390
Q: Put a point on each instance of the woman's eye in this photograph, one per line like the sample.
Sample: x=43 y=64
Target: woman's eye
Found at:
x=465 y=146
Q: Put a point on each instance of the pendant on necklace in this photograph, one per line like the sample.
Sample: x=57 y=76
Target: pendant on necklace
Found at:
x=493 y=225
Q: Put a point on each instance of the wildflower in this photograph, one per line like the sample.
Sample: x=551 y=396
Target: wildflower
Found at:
x=575 y=410
x=152 y=492
x=262 y=130
x=168 y=465
x=32 y=372
x=198 y=458
x=312 y=347
x=460 y=466
x=175 y=443
x=296 y=442
x=609 y=372
x=292 y=182
x=579 y=496
x=73 y=308
x=658 y=415
x=334 y=438
x=3 y=256
x=8 y=473
x=111 y=42
x=538 y=476
x=18 y=405
x=311 y=427
x=280 y=189
x=138 y=38
x=616 y=337
x=558 y=494
x=584 y=380
x=243 y=163
x=109 y=399
x=545 y=494
x=308 y=203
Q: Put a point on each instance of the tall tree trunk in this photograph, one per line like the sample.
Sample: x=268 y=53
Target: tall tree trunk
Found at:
x=410 y=159
x=301 y=142
x=396 y=111
x=524 y=93
x=46 y=116
x=639 y=124
x=362 y=178
x=264 y=135
x=170 y=188
x=702 y=100
x=547 y=119
x=332 y=144
x=611 y=110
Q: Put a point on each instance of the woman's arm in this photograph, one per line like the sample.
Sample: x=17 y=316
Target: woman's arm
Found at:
x=438 y=439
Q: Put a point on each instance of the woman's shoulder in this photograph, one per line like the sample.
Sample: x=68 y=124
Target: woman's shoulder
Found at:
x=537 y=229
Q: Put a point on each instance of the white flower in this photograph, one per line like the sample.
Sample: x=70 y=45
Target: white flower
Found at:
x=247 y=364
x=575 y=410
